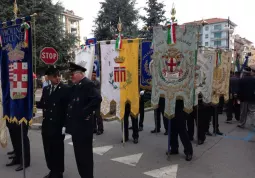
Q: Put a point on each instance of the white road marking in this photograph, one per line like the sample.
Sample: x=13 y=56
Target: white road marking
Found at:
x=130 y=160
x=102 y=150
x=165 y=172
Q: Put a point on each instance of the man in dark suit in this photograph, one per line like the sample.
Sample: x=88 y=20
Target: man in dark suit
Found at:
x=54 y=103
x=98 y=120
x=83 y=101
x=157 y=117
x=233 y=103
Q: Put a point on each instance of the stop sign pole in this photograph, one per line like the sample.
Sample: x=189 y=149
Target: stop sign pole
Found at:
x=49 y=55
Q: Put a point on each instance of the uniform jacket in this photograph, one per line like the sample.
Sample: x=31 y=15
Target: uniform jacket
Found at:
x=54 y=108
x=247 y=89
x=83 y=101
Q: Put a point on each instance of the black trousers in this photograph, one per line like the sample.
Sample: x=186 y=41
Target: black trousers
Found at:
x=141 y=110
x=215 y=115
x=191 y=124
x=54 y=152
x=134 y=123
x=18 y=143
x=233 y=107
x=178 y=127
x=158 y=112
x=83 y=151
x=220 y=105
x=98 y=120
x=12 y=127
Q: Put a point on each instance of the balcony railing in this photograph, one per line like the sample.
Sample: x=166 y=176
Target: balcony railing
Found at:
x=218 y=39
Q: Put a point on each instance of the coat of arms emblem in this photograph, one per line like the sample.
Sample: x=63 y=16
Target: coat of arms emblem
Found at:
x=18 y=72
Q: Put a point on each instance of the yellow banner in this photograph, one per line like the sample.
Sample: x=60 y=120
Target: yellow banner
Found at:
x=129 y=92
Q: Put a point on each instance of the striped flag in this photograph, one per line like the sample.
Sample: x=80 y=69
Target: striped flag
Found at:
x=171 y=33
x=118 y=44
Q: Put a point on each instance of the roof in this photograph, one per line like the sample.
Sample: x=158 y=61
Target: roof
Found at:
x=212 y=21
x=71 y=15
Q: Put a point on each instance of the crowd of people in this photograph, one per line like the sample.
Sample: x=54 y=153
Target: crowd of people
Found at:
x=76 y=110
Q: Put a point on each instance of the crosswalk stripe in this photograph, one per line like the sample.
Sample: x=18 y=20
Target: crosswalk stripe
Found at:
x=102 y=150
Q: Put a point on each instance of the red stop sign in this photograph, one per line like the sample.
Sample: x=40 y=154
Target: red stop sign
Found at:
x=49 y=55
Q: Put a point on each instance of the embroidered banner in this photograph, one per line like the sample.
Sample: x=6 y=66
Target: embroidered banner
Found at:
x=173 y=68
x=145 y=75
x=120 y=77
x=17 y=72
x=221 y=77
x=204 y=74
x=85 y=57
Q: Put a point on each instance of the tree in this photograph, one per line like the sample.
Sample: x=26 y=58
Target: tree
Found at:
x=108 y=18
x=48 y=26
x=155 y=15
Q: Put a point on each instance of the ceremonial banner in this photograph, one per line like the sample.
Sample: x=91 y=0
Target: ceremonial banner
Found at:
x=221 y=78
x=97 y=68
x=120 y=76
x=173 y=68
x=145 y=76
x=204 y=74
x=85 y=57
x=17 y=72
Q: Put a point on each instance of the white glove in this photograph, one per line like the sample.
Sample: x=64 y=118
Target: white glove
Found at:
x=142 y=92
x=63 y=131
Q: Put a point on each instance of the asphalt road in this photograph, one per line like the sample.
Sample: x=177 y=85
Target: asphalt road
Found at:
x=229 y=156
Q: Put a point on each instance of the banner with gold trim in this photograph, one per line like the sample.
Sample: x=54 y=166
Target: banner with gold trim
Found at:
x=16 y=71
x=119 y=71
x=173 y=68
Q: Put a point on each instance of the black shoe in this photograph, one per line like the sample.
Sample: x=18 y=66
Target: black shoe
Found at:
x=173 y=152
x=200 y=142
x=48 y=176
x=155 y=131
x=240 y=126
x=95 y=131
x=218 y=132
x=13 y=162
x=140 y=129
x=130 y=128
x=166 y=132
x=208 y=133
x=12 y=157
x=135 y=141
x=191 y=139
x=11 y=152
x=100 y=132
x=20 y=168
x=126 y=140
x=188 y=157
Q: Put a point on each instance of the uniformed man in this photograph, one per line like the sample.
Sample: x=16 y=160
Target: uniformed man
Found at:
x=83 y=101
x=157 y=117
x=233 y=104
x=178 y=127
x=98 y=120
x=54 y=103
x=247 y=95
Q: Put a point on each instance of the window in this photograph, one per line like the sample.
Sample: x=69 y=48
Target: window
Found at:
x=206 y=36
x=217 y=27
x=206 y=43
x=206 y=28
x=217 y=43
x=217 y=35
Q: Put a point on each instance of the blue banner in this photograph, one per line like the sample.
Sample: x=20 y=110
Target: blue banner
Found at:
x=97 y=68
x=17 y=71
x=145 y=76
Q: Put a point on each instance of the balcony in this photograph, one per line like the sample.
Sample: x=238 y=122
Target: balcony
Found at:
x=219 y=39
x=217 y=30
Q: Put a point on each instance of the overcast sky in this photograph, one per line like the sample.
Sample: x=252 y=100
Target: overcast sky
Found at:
x=240 y=12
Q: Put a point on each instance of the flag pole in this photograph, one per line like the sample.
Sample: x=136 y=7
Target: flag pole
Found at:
x=15 y=11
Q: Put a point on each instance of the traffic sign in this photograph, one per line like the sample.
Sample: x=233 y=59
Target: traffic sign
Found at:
x=49 y=55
